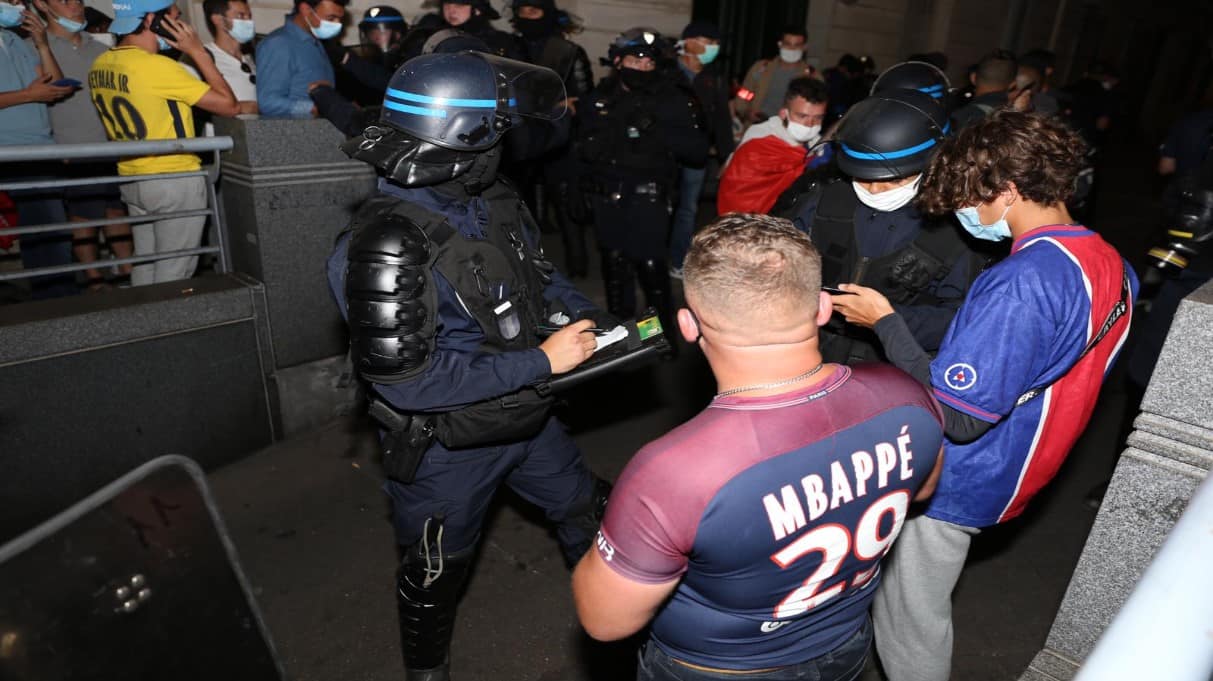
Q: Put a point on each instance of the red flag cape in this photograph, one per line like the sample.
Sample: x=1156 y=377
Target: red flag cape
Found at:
x=759 y=172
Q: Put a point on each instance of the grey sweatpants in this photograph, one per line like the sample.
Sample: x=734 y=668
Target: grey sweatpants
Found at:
x=912 y=611
x=165 y=196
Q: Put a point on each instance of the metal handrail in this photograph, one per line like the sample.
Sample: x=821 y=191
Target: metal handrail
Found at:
x=26 y=153
x=132 y=260
x=97 y=150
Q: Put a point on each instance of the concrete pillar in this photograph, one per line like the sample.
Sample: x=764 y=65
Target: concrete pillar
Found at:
x=288 y=191
x=1169 y=454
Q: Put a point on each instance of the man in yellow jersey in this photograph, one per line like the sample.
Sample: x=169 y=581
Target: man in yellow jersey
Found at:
x=143 y=95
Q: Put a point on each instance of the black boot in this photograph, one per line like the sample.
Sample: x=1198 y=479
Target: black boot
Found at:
x=576 y=257
x=619 y=278
x=428 y=583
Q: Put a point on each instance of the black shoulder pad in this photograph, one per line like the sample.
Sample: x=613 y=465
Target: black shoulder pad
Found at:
x=390 y=300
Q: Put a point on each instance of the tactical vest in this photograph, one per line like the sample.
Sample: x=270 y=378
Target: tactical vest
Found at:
x=499 y=281
x=903 y=276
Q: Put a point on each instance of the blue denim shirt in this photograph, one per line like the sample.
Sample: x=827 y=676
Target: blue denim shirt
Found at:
x=24 y=123
x=288 y=60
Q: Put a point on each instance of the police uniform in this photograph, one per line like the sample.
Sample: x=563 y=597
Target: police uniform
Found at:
x=922 y=265
x=633 y=137
x=443 y=285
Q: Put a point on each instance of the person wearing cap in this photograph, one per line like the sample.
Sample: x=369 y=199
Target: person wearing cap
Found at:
x=776 y=152
x=637 y=126
x=74 y=120
x=365 y=69
x=292 y=59
x=697 y=53
x=231 y=25
x=141 y=94
x=761 y=94
x=473 y=17
x=869 y=232
x=383 y=26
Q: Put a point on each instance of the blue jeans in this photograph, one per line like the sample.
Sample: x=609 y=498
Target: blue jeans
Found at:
x=844 y=663
x=690 y=187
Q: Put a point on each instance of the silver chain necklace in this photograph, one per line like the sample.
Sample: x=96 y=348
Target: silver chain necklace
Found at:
x=776 y=384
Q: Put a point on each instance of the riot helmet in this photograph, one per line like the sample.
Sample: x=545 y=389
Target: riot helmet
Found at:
x=889 y=135
x=444 y=114
x=914 y=75
x=383 y=26
x=637 y=42
x=483 y=7
x=453 y=40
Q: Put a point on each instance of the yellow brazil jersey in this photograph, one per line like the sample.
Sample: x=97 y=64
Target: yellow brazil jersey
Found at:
x=144 y=96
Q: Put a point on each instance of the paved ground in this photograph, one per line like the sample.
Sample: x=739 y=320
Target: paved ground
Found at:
x=309 y=523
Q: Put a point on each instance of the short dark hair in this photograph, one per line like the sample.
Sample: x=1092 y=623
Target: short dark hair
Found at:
x=212 y=7
x=1040 y=154
x=791 y=29
x=811 y=89
x=1043 y=60
x=997 y=69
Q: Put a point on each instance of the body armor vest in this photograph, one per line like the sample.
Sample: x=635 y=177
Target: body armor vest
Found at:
x=903 y=276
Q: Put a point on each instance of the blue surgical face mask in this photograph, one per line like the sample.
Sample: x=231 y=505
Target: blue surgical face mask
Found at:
x=10 y=15
x=242 y=30
x=162 y=44
x=971 y=221
x=326 y=29
x=710 y=52
x=69 y=25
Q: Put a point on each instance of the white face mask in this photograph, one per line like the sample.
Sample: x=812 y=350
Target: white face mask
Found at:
x=106 y=39
x=791 y=56
x=803 y=133
x=888 y=201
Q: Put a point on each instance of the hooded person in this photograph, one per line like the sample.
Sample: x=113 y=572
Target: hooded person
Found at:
x=446 y=293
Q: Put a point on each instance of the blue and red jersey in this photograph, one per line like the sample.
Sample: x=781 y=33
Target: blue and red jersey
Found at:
x=775 y=512
x=1023 y=327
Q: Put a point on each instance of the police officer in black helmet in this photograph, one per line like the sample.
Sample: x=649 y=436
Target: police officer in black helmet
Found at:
x=383 y=27
x=915 y=75
x=473 y=17
x=447 y=293
x=869 y=232
x=636 y=127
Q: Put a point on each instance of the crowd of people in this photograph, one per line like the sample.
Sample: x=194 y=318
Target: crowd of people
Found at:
x=899 y=301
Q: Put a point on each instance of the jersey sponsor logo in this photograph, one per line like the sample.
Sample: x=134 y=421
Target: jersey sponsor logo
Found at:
x=960 y=376
x=604 y=547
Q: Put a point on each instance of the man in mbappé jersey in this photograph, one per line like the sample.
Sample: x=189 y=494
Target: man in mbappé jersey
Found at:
x=141 y=94
x=1019 y=370
x=752 y=535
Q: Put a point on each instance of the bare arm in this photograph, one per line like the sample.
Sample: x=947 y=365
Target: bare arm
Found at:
x=37 y=33
x=40 y=90
x=928 y=486
x=611 y=606
x=219 y=100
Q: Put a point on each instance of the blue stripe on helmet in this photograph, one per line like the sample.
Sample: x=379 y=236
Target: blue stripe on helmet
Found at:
x=901 y=153
x=382 y=20
x=935 y=91
x=442 y=101
x=417 y=110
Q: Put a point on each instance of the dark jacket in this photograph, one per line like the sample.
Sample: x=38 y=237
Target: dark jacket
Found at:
x=711 y=89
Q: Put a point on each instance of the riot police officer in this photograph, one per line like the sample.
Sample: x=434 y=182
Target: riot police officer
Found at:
x=446 y=292
x=915 y=75
x=474 y=17
x=542 y=27
x=384 y=27
x=636 y=127
x=869 y=232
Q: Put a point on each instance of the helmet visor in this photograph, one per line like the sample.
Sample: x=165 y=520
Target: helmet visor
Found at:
x=527 y=90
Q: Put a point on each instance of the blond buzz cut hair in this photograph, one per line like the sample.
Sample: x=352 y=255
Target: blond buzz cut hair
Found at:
x=750 y=271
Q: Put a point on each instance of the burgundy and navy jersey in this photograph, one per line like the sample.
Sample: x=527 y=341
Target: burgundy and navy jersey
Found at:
x=1023 y=327
x=775 y=512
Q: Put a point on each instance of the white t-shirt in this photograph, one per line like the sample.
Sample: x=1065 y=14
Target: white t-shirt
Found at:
x=243 y=83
